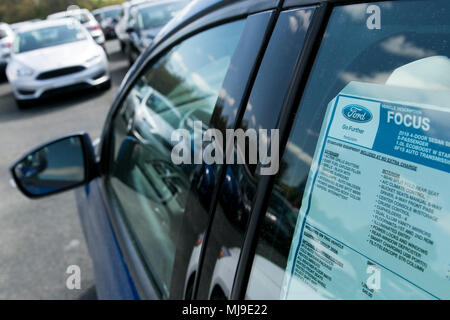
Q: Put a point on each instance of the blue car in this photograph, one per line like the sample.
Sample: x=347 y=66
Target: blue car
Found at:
x=355 y=96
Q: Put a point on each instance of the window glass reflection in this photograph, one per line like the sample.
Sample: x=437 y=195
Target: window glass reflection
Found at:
x=239 y=187
x=410 y=50
x=180 y=88
x=53 y=168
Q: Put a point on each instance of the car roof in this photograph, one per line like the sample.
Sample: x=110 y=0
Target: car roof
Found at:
x=5 y=26
x=199 y=8
x=45 y=23
x=67 y=13
x=193 y=9
x=107 y=8
x=20 y=24
x=134 y=3
x=159 y=2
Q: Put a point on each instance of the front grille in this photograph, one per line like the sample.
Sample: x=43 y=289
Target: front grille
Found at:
x=59 y=72
x=25 y=92
x=65 y=90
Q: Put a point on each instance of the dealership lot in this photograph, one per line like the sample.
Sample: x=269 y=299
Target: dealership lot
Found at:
x=40 y=239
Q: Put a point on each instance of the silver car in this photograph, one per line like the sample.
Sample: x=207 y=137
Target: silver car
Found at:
x=53 y=57
x=6 y=40
x=86 y=19
x=121 y=27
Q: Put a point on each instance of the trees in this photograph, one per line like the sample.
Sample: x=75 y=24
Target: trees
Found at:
x=16 y=10
x=12 y=11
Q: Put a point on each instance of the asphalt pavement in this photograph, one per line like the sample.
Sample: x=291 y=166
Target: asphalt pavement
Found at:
x=40 y=239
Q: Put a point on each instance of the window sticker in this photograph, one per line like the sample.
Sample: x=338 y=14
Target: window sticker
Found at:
x=375 y=216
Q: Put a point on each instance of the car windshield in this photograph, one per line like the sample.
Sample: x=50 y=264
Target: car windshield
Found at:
x=48 y=37
x=111 y=13
x=157 y=16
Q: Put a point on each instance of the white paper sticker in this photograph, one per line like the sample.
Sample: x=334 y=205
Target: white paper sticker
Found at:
x=375 y=216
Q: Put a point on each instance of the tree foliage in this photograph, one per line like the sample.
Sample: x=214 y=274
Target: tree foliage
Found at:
x=12 y=11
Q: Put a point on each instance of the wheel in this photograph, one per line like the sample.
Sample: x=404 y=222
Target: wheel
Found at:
x=190 y=288
x=105 y=86
x=104 y=49
x=23 y=104
x=129 y=53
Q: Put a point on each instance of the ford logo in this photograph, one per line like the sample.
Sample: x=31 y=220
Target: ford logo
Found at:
x=357 y=113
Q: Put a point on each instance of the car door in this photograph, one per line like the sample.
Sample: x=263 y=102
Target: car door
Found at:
x=142 y=243
x=359 y=207
x=234 y=200
x=132 y=49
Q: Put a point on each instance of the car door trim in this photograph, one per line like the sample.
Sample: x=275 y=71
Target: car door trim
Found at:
x=296 y=3
x=239 y=115
x=287 y=115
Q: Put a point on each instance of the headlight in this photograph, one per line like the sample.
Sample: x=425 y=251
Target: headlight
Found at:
x=93 y=58
x=24 y=72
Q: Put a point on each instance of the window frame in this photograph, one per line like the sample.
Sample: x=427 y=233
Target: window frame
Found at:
x=145 y=250
x=245 y=257
x=287 y=116
x=139 y=273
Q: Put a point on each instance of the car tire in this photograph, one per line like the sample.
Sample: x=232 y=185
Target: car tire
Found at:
x=218 y=294
x=105 y=86
x=129 y=53
x=23 y=104
x=104 y=49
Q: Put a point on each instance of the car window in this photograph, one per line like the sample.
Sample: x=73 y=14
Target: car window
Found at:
x=157 y=16
x=360 y=205
x=177 y=90
x=48 y=37
x=238 y=188
x=111 y=13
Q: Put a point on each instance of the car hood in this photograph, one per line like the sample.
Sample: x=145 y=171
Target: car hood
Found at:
x=70 y=54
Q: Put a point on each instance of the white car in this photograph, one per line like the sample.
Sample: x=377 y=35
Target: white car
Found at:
x=86 y=19
x=18 y=25
x=121 y=27
x=224 y=273
x=6 y=40
x=53 y=57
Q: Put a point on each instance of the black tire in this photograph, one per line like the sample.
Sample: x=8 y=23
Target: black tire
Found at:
x=218 y=294
x=189 y=295
x=23 y=104
x=105 y=86
x=122 y=47
x=129 y=53
x=104 y=49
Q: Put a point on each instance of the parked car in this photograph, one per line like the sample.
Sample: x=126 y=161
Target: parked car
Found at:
x=16 y=26
x=360 y=96
x=121 y=27
x=6 y=41
x=108 y=17
x=73 y=60
x=86 y=19
x=146 y=20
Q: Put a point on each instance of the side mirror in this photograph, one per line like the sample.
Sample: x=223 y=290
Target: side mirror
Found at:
x=57 y=166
